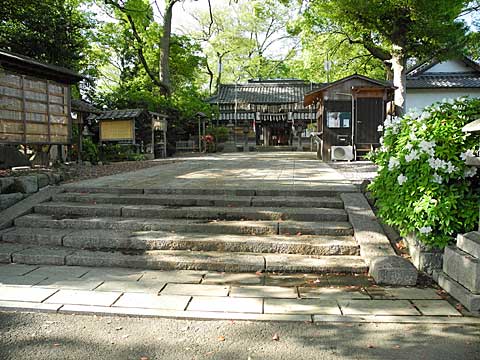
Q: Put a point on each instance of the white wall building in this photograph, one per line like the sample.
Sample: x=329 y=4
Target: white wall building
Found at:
x=434 y=81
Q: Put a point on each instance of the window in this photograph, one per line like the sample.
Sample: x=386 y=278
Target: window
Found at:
x=337 y=119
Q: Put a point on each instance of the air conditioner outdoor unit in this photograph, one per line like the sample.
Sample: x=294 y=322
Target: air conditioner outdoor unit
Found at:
x=342 y=152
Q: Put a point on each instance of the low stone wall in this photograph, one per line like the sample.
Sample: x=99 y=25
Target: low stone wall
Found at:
x=15 y=188
x=425 y=258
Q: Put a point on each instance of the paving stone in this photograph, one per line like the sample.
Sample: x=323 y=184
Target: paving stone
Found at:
x=436 y=308
x=6 y=251
x=225 y=304
x=349 y=280
x=42 y=255
x=195 y=290
x=404 y=293
x=113 y=274
x=296 y=280
x=12 y=293
x=71 y=284
x=61 y=272
x=29 y=306
x=178 y=276
x=232 y=278
x=264 y=292
x=377 y=307
x=467 y=298
x=84 y=297
x=26 y=280
x=132 y=286
x=301 y=306
x=151 y=301
x=331 y=294
x=16 y=269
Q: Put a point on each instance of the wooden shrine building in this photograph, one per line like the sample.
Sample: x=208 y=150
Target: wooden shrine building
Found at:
x=348 y=113
x=35 y=106
x=270 y=111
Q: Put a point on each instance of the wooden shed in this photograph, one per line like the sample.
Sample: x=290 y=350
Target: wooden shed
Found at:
x=349 y=112
x=34 y=101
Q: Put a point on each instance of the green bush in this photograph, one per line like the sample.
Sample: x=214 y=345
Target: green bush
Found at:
x=423 y=185
x=121 y=152
x=89 y=151
x=219 y=133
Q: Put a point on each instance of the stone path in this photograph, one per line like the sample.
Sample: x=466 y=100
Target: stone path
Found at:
x=214 y=295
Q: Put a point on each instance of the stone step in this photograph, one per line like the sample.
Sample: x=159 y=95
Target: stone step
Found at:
x=470 y=243
x=183 y=225
x=162 y=240
x=463 y=268
x=319 y=190
x=466 y=297
x=201 y=200
x=200 y=212
x=183 y=260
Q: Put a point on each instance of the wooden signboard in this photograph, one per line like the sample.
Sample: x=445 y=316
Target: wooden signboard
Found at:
x=33 y=110
x=117 y=130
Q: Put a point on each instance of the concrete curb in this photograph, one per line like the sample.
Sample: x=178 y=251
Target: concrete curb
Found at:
x=26 y=205
x=20 y=306
x=384 y=266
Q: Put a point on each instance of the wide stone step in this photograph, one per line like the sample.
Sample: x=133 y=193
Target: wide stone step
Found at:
x=332 y=189
x=201 y=200
x=182 y=260
x=470 y=243
x=183 y=225
x=200 y=212
x=162 y=240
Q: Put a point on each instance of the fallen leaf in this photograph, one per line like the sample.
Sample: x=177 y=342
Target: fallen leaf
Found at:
x=259 y=272
x=221 y=338
x=125 y=336
x=56 y=344
x=119 y=328
x=299 y=233
x=275 y=337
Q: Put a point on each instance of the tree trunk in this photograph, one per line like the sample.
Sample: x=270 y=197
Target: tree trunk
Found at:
x=164 y=72
x=399 y=67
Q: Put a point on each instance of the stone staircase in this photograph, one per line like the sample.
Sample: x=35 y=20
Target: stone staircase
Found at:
x=233 y=230
x=461 y=270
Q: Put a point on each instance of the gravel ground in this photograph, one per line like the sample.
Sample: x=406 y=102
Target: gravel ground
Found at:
x=56 y=336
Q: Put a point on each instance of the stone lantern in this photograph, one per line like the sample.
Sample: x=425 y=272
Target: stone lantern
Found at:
x=246 y=130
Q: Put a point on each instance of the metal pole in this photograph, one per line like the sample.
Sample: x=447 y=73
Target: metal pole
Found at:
x=199 y=136
x=235 y=116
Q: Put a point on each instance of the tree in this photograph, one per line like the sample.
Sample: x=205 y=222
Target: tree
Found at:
x=53 y=31
x=392 y=30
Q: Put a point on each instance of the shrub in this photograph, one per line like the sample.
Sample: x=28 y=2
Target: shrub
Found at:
x=89 y=151
x=423 y=184
x=220 y=133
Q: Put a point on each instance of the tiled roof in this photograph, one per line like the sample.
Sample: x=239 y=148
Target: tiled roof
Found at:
x=264 y=92
x=83 y=106
x=118 y=114
x=444 y=80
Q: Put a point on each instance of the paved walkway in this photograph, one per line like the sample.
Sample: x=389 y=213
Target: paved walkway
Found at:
x=279 y=170
x=212 y=295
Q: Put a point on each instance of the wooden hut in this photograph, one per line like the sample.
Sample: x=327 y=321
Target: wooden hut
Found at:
x=349 y=112
x=34 y=101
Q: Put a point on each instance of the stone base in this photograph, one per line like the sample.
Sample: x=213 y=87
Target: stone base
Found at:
x=463 y=268
x=393 y=270
x=425 y=258
x=467 y=298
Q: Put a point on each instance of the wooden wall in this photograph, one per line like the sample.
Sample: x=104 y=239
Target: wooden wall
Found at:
x=33 y=110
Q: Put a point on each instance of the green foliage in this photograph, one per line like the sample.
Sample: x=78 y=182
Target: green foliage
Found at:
x=423 y=184
x=219 y=133
x=121 y=152
x=90 y=151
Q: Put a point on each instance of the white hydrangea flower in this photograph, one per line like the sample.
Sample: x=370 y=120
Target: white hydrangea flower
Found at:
x=450 y=167
x=425 y=230
x=393 y=163
x=413 y=113
x=424 y=115
x=436 y=163
x=437 y=178
x=423 y=127
x=413 y=155
x=380 y=128
x=413 y=136
x=409 y=146
x=470 y=171
x=381 y=140
x=401 y=179
x=427 y=147
x=467 y=154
